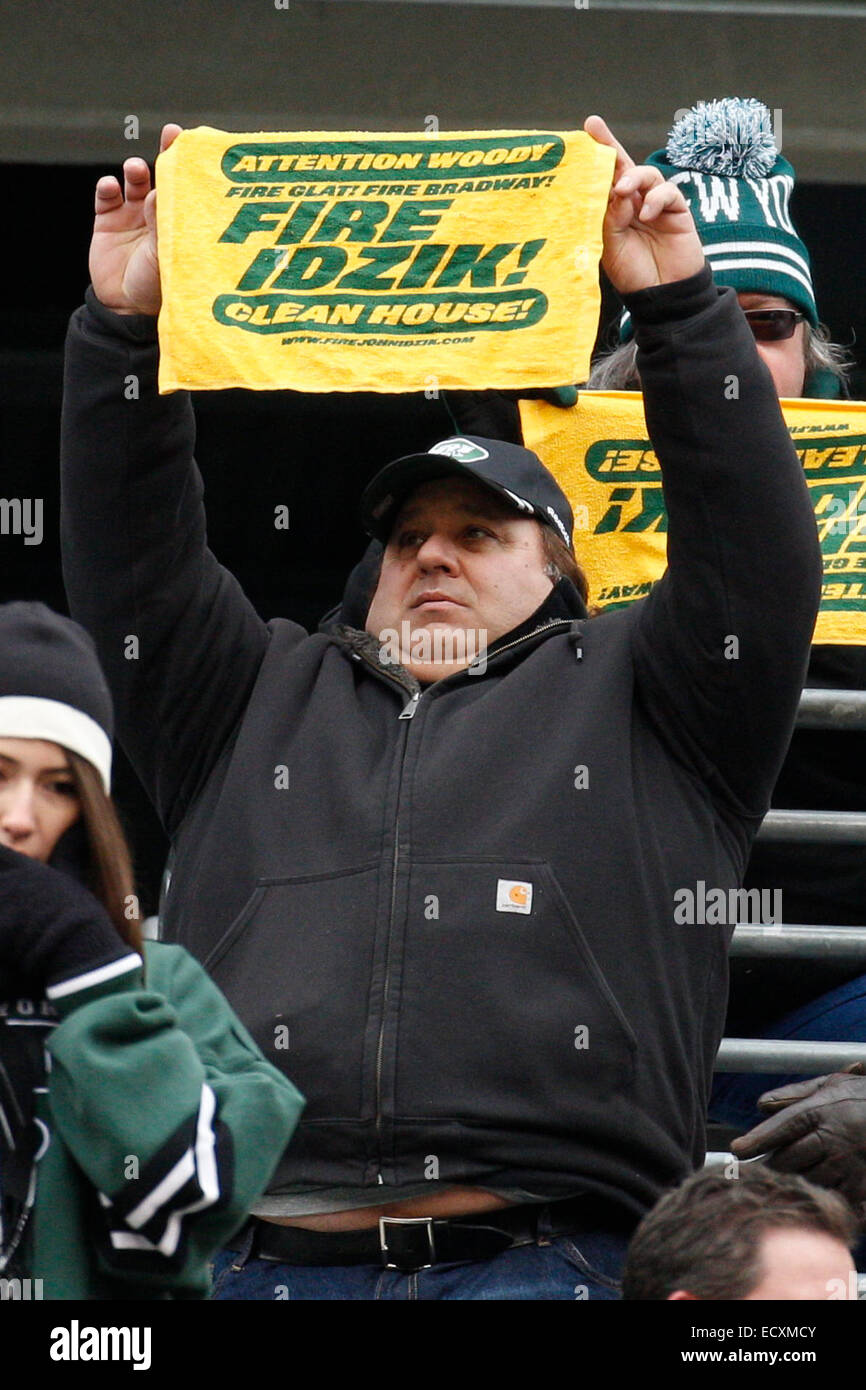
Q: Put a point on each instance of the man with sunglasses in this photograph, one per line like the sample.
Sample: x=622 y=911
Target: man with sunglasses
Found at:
x=723 y=157
x=790 y=342
x=778 y=330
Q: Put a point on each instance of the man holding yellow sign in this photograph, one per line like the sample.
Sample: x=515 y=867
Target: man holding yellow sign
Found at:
x=440 y=890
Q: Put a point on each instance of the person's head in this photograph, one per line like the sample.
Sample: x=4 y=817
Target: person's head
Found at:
x=805 y=364
x=723 y=157
x=759 y=1235
x=55 y=757
x=470 y=550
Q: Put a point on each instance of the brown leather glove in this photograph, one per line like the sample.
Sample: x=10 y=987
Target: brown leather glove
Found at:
x=816 y=1128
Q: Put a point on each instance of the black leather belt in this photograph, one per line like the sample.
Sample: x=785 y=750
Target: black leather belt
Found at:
x=412 y=1243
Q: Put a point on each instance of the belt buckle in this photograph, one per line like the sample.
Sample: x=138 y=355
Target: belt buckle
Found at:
x=416 y=1251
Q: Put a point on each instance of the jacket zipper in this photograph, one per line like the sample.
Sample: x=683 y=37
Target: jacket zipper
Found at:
x=407 y=713
x=545 y=627
x=385 y=990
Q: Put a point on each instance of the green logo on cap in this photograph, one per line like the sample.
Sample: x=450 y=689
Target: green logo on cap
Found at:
x=463 y=450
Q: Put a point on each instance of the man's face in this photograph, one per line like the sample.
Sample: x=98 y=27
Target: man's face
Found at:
x=460 y=570
x=785 y=359
x=801 y=1264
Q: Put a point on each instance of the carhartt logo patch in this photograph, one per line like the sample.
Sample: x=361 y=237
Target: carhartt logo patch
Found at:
x=463 y=450
x=513 y=896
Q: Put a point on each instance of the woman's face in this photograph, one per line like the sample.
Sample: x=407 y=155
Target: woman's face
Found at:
x=38 y=800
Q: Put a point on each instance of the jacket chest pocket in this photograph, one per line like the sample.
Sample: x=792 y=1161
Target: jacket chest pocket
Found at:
x=506 y=1017
x=296 y=966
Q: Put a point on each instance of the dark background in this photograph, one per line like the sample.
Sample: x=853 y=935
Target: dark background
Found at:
x=70 y=74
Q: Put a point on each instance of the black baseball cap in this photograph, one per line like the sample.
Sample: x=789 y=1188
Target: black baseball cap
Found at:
x=515 y=474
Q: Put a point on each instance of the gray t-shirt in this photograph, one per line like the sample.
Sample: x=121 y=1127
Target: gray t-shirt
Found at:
x=316 y=1200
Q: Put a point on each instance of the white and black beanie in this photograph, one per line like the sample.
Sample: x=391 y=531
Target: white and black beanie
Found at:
x=52 y=686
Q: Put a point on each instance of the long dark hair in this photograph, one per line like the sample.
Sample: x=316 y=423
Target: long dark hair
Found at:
x=109 y=866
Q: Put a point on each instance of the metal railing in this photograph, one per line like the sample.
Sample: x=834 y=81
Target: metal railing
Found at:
x=772 y=1055
x=815 y=827
x=840 y=710
x=841 y=945
x=832 y=709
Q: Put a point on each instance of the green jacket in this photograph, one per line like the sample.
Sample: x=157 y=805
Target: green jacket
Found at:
x=165 y=1124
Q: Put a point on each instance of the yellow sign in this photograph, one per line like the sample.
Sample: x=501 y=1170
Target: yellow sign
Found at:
x=600 y=453
x=326 y=261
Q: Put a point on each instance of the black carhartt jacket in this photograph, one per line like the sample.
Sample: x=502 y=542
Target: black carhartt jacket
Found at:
x=346 y=847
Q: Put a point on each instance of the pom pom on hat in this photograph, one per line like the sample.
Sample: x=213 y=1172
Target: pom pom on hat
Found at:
x=731 y=137
x=723 y=157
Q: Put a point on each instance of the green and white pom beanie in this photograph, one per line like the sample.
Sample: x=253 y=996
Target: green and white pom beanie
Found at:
x=724 y=158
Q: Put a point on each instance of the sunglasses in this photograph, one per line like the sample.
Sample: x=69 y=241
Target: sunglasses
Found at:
x=773 y=325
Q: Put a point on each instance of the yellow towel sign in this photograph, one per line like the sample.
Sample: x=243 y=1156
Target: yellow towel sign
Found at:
x=326 y=261
x=600 y=454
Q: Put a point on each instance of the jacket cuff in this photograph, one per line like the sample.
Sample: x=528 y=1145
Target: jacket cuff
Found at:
x=139 y=328
x=673 y=302
x=113 y=977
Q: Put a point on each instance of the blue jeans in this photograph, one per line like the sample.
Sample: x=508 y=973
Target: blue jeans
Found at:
x=579 y=1267
x=837 y=1016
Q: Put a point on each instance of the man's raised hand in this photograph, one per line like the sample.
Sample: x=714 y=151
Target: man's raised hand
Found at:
x=124 y=266
x=649 y=235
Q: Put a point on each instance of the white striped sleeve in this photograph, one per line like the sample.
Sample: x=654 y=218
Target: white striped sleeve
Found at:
x=190 y=1173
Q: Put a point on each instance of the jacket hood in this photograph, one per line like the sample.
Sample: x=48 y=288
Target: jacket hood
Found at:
x=352 y=610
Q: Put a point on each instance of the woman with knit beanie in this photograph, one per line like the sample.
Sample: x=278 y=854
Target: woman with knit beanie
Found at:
x=138 y=1120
